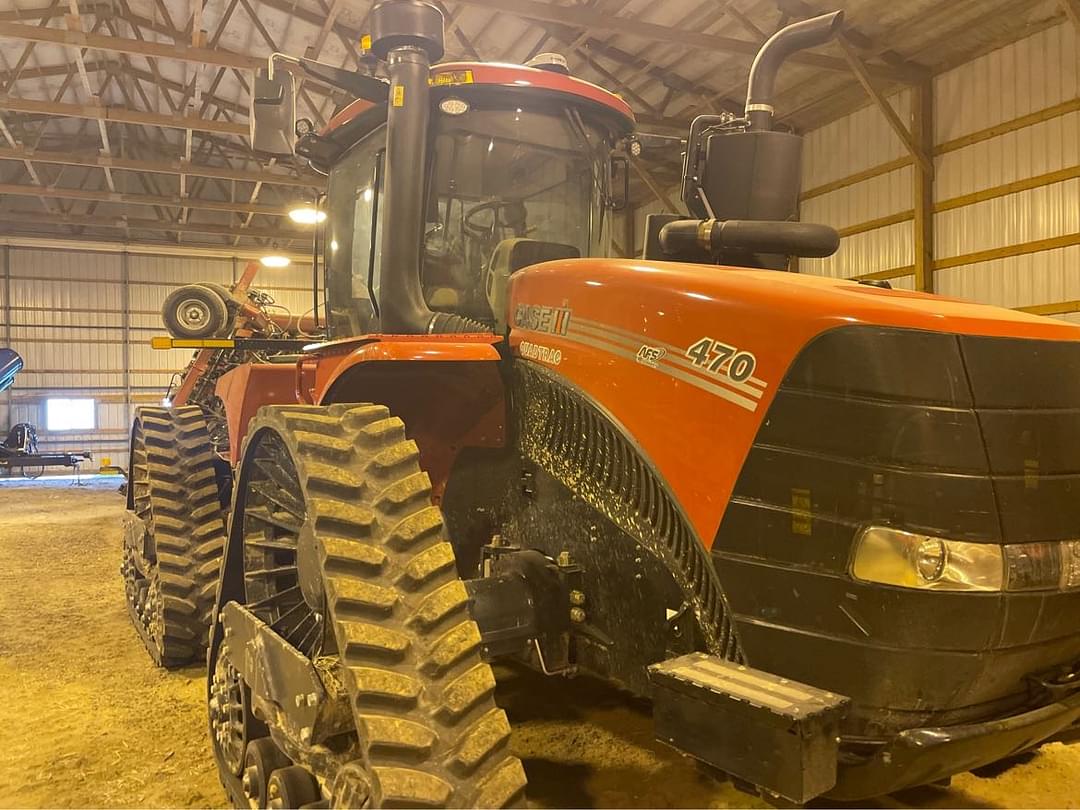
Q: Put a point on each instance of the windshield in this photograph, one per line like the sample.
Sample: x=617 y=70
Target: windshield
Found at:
x=495 y=174
x=511 y=173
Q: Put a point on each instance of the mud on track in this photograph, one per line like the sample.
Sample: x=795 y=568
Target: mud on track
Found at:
x=87 y=721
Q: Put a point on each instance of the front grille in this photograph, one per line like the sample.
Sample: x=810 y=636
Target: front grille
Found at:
x=966 y=437
x=573 y=441
x=973 y=438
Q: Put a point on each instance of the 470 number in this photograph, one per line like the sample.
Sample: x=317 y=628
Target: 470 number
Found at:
x=720 y=358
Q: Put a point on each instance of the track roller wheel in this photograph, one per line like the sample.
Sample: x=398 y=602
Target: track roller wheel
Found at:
x=262 y=759
x=292 y=787
x=171 y=565
x=341 y=540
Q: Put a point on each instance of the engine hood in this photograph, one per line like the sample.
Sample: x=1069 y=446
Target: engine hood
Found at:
x=806 y=304
x=688 y=358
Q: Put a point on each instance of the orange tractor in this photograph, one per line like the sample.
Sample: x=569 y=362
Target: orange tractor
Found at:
x=828 y=527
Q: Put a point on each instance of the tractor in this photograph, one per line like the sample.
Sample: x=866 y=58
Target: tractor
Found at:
x=828 y=528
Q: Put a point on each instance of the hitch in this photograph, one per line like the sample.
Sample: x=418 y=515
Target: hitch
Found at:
x=525 y=604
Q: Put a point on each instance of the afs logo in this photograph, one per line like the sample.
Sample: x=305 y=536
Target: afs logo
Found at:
x=651 y=356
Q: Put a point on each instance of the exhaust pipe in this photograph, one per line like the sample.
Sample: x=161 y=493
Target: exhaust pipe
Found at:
x=795 y=37
x=408 y=36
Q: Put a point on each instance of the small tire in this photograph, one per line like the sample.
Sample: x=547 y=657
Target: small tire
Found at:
x=223 y=292
x=292 y=787
x=194 y=311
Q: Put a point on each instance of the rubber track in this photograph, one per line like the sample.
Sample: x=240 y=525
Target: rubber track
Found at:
x=187 y=524
x=422 y=697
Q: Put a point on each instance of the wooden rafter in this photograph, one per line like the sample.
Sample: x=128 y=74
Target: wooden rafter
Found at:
x=118 y=90
x=161 y=167
x=140 y=224
x=102 y=112
x=581 y=17
x=654 y=186
x=123 y=198
x=161 y=50
x=858 y=67
x=1072 y=11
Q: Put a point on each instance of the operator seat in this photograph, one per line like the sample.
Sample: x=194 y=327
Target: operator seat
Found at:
x=514 y=254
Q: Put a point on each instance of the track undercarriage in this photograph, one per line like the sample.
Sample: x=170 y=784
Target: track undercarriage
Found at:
x=173 y=534
x=346 y=665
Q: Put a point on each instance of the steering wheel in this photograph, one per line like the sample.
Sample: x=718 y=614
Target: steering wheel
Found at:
x=516 y=220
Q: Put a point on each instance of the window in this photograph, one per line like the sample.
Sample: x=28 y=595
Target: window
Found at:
x=70 y=414
x=355 y=198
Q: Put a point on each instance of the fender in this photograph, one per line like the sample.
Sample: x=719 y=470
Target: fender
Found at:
x=448 y=389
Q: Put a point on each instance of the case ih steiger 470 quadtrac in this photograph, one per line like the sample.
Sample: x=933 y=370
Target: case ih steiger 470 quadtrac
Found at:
x=829 y=528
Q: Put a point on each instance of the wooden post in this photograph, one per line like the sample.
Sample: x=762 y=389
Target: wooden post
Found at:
x=922 y=130
x=7 y=324
x=125 y=327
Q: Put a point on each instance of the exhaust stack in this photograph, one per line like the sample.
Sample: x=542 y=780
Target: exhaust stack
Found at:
x=408 y=36
x=795 y=37
x=741 y=178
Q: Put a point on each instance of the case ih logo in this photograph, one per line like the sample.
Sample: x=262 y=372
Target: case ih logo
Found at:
x=555 y=320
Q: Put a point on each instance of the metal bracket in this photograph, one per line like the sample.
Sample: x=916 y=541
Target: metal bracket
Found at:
x=286 y=689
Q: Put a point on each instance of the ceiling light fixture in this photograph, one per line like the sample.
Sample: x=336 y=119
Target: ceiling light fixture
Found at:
x=306 y=214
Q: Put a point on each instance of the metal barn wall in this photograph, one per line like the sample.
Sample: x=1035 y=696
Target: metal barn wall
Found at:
x=82 y=322
x=854 y=144
x=1038 y=73
x=1006 y=187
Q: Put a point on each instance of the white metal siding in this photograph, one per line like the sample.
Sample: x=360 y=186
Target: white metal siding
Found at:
x=1028 y=75
x=854 y=143
x=857 y=142
x=1046 y=277
x=1025 y=77
x=1037 y=72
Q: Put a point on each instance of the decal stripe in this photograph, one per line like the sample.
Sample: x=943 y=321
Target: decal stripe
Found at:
x=708 y=386
x=671 y=359
x=675 y=353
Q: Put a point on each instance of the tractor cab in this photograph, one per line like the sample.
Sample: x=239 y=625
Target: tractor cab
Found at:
x=522 y=166
x=518 y=173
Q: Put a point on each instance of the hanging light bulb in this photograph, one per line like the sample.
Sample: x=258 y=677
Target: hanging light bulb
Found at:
x=306 y=214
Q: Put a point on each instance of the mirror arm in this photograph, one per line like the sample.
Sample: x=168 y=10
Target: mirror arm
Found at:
x=360 y=85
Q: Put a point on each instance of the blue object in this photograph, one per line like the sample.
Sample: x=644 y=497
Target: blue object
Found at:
x=10 y=365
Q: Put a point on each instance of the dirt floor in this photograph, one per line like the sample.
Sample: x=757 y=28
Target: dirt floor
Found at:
x=87 y=721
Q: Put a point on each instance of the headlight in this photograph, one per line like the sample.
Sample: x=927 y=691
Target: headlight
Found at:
x=909 y=560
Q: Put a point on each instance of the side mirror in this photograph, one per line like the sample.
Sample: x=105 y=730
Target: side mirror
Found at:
x=273 y=113
x=620 y=177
